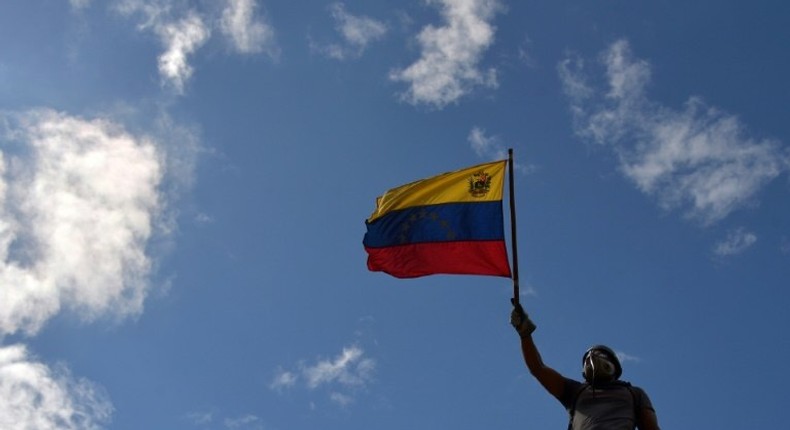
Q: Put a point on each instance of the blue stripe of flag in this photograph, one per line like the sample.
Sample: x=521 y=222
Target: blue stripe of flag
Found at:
x=447 y=222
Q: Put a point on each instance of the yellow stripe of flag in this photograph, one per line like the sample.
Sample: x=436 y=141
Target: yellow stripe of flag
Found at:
x=480 y=183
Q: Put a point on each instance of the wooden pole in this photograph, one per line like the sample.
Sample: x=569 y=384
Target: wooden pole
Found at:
x=513 y=241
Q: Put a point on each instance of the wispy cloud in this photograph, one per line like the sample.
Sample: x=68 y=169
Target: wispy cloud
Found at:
x=698 y=158
x=490 y=148
x=341 y=399
x=448 y=68
x=181 y=39
x=527 y=289
x=248 y=31
x=181 y=33
x=283 y=379
x=348 y=369
x=199 y=418
x=356 y=31
x=152 y=12
x=623 y=357
x=341 y=376
x=183 y=29
x=79 y=4
x=784 y=245
x=736 y=242
x=242 y=422
x=212 y=419
x=78 y=202
x=525 y=53
x=486 y=146
x=35 y=396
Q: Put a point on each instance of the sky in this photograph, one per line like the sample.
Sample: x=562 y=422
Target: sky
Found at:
x=184 y=186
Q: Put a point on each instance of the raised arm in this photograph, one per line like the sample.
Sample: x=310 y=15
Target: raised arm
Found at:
x=549 y=378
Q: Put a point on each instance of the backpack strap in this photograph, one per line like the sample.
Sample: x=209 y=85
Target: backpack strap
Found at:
x=572 y=410
x=637 y=402
x=637 y=406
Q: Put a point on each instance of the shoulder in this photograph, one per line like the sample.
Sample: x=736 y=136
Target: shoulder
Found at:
x=636 y=389
x=641 y=396
x=571 y=389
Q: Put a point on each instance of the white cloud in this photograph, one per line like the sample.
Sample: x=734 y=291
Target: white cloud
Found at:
x=341 y=376
x=78 y=200
x=490 y=148
x=181 y=39
x=203 y=219
x=623 y=357
x=283 y=379
x=153 y=12
x=80 y=4
x=486 y=146
x=736 y=242
x=348 y=369
x=248 y=32
x=200 y=418
x=208 y=420
x=698 y=157
x=341 y=399
x=448 y=68
x=527 y=290
x=34 y=396
x=241 y=422
x=357 y=33
x=183 y=28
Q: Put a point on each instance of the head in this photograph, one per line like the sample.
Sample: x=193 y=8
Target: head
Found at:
x=600 y=364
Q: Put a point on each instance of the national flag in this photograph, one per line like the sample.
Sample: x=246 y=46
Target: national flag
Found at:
x=447 y=224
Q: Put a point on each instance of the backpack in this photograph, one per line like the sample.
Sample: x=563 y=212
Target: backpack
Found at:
x=637 y=401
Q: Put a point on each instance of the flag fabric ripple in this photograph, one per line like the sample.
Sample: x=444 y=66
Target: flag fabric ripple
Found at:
x=447 y=224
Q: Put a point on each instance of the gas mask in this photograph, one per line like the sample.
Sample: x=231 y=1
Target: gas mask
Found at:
x=598 y=366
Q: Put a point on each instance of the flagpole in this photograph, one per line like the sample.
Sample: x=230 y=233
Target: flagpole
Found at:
x=513 y=245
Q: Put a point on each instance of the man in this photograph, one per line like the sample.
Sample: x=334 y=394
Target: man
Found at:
x=603 y=401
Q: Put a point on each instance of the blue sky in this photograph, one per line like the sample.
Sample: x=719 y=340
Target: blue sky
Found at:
x=184 y=184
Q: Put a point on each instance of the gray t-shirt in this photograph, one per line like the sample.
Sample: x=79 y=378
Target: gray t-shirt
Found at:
x=607 y=407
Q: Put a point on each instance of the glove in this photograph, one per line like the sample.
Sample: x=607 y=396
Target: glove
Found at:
x=520 y=321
